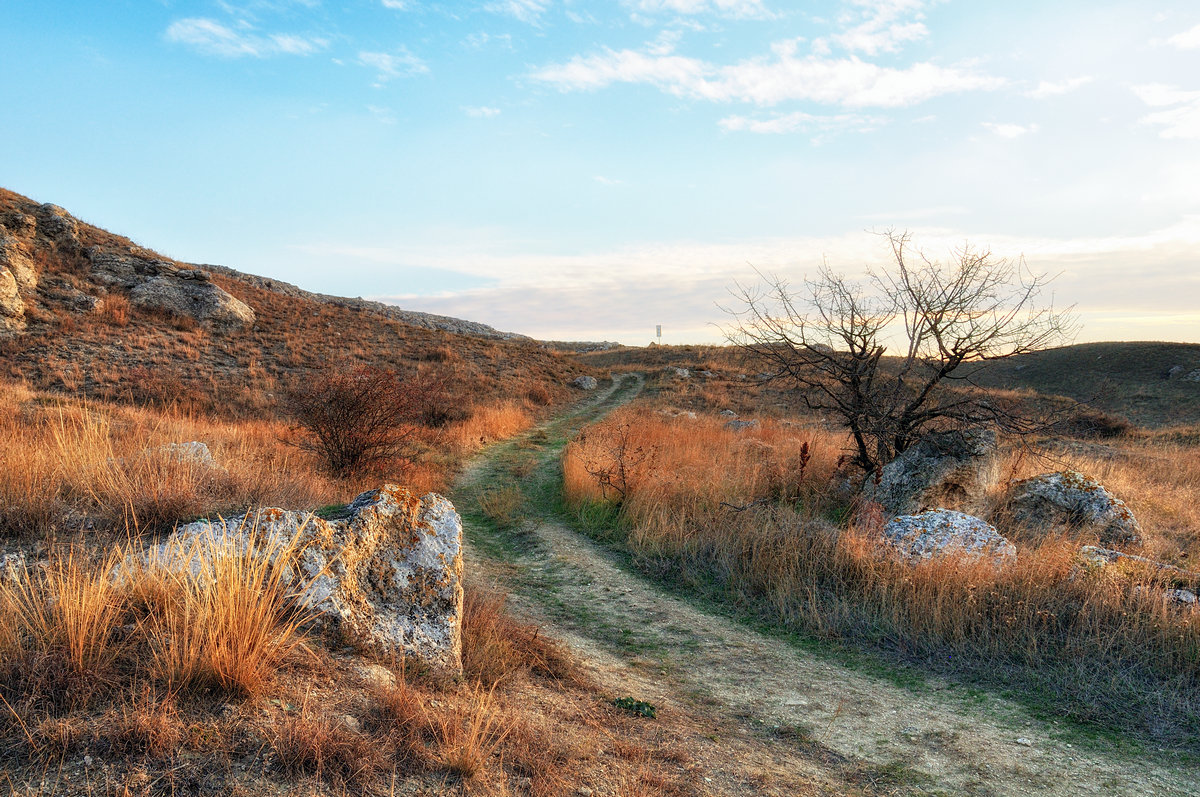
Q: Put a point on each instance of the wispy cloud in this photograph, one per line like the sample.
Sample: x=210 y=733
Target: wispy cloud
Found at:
x=389 y=66
x=398 y=5
x=1180 y=114
x=738 y=9
x=1187 y=40
x=1047 y=88
x=528 y=11
x=788 y=75
x=798 y=121
x=607 y=180
x=209 y=37
x=881 y=26
x=1008 y=130
x=481 y=111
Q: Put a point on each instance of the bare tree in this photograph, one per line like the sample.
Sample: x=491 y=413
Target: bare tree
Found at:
x=831 y=339
x=359 y=417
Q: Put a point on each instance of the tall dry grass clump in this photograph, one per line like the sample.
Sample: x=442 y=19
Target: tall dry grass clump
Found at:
x=487 y=424
x=72 y=464
x=222 y=613
x=732 y=513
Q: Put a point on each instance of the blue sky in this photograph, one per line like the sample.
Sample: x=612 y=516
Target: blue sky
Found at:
x=588 y=170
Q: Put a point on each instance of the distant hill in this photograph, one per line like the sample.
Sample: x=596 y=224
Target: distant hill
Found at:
x=1149 y=383
x=89 y=311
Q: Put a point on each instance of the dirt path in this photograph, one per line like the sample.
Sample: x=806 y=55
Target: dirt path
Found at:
x=640 y=640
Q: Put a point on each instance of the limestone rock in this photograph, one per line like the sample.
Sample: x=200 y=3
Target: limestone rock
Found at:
x=1192 y=376
x=58 y=226
x=19 y=224
x=386 y=575
x=12 y=306
x=1093 y=556
x=193 y=452
x=944 y=469
x=940 y=532
x=13 y=567
x=15 y=258
x=585 y=382
x=188 y=296
x=1068 y=498
x=728 y=413
x=678 y=373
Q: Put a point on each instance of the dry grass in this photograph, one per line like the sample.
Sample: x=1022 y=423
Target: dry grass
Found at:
x=497 y=649
x=1098 y=645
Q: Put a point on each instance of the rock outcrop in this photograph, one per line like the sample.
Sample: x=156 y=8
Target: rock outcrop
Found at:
x=160 y=285
x=944 y=469
x=585 y=382
x=1070 y=499
x=386 y=575
x=942 y=532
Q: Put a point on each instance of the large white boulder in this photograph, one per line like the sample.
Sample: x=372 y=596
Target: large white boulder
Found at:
x=1070 y=499
x=944 y=469
x=940 y=532
x=384 y=575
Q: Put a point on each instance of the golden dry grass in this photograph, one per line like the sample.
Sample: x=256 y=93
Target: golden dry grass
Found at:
x=1100 y=644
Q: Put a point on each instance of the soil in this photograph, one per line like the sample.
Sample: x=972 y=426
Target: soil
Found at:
x=815 y=718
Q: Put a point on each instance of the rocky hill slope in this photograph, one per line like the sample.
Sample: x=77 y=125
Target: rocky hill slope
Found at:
x=85 y=310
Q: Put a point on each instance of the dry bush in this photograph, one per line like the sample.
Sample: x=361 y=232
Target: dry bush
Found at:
x=470 y=731
x=503 y=504
x=1102 y=646
x=308 y=743
x=222 y=615
x=58 y=631
x=114 y=309
x=359 y=418
x=112 y=466
x=488 y=424
x=495 y=647
x=146 y=725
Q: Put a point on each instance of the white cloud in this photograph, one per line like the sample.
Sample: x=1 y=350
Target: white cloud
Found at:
x=481 y=111
x=1180 y=114
x=767 y=81
x=1011 y=130
x=742 y=9
x=1187 y=40
x=607 y=180
x=477 y=41
x=529 y=11
x=798 y=121
x=399 y=5
x=1048 y=88
x=401 y=63
x=210 y=37
x=881 y=26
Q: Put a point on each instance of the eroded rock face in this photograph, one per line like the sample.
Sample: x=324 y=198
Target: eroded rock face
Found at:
x=945 y=469
x=190 y=296
x=940 y=532
x=1068 y=498
x=585 y=382
x=14 y=257
x=386 y=575
x=58 y=226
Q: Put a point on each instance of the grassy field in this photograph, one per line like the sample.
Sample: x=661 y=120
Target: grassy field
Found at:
x=756 y=517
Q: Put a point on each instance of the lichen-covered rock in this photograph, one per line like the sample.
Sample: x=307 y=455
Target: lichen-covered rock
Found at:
x=386 y=575
x=12 y=306
x=585 y=382
x=15 y=258
x=1092 y=556
x=13 y=567
x=192 y=296
x=1068 y=498
x=939 y=532
x=944 y=469
x=58 y=226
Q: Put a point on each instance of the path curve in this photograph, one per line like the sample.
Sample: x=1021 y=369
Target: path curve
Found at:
x=639 y=638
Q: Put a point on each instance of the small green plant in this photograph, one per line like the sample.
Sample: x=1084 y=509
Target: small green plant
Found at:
x=634 y=706
x=331 y=511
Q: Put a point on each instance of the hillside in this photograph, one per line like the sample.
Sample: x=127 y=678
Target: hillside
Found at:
x=86 y=311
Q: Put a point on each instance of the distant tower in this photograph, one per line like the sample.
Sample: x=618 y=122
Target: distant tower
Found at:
x=658 y=332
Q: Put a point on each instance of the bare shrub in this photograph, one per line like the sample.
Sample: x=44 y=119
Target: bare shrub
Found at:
x=356 y=418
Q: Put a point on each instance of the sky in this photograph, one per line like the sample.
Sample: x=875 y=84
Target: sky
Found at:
x=588 y=170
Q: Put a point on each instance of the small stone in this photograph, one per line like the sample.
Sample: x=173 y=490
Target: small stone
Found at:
x=87 y=760
x=584 y=791
x=351 y=722
x=1025 y=742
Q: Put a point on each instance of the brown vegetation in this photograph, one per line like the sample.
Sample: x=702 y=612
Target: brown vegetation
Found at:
x=735 y=513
